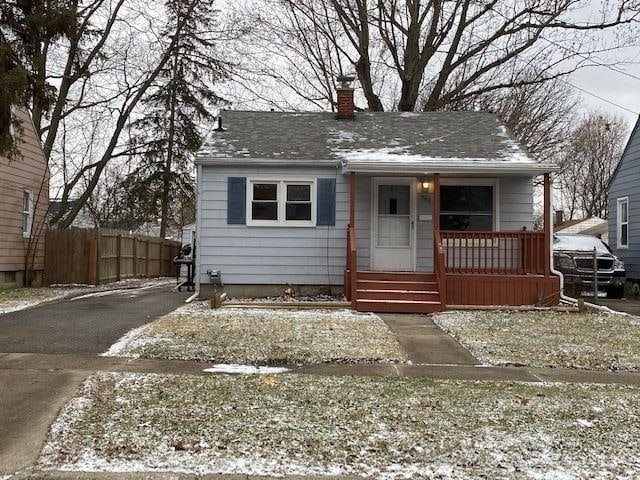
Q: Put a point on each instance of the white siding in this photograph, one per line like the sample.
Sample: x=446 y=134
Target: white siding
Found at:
x=270 y=255
x=315 y=255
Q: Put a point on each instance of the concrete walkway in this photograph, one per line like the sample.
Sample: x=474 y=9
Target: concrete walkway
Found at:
x=425 y=342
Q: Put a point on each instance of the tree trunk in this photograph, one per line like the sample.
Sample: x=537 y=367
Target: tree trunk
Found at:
x=166 y=175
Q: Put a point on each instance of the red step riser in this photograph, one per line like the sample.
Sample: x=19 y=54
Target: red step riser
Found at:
x=364 y=306
x=387 y=295
x=411 y=286
x=397 y=276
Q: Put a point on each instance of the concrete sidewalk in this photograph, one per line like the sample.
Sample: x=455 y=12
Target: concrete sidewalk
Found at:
x=19 y=363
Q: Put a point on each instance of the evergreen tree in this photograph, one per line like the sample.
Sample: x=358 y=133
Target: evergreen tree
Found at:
x=168 y=135
x=27 y=30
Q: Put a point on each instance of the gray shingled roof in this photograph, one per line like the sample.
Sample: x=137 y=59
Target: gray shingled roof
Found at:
x=372 y=137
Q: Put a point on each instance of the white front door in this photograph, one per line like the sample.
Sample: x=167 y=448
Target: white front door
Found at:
x=393 y=224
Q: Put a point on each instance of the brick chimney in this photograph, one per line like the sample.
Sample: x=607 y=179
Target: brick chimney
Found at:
x=559 y=217
x=346 y=105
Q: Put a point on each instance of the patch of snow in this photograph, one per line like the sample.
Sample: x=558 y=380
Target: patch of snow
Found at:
x=401 y=154
x=130 y=340
x=97 y=294
x=237 y=369
x=343 y=136
x=19 y=305
x=582 y=422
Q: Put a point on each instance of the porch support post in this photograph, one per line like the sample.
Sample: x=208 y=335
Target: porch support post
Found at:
x=436 y=202
x=352 y=199
x=547 y=224
x=352 y=258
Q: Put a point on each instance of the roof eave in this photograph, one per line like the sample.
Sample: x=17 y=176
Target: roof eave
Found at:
x=424 y=168
x=249 y=161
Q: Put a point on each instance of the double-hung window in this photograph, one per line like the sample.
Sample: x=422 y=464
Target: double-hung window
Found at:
x=623 y=222
x=281 y=202
x=27 y=213
x=468 y=206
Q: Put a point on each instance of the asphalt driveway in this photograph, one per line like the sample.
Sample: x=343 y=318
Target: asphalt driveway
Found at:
x=85 y=325
x=88 y=324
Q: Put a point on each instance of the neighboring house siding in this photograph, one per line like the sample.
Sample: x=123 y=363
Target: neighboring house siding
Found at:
x=270 y=255
x=626 y=183
x=298 y=255
x=26 y=172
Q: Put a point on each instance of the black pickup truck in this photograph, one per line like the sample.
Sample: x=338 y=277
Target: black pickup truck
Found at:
x=573 y=257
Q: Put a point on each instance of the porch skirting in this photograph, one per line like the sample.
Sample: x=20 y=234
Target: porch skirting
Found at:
x=512 y=290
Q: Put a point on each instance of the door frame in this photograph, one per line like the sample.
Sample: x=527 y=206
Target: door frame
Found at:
x=413 y=207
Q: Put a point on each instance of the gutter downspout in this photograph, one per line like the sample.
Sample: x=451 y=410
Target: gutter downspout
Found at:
x=198 y=224
x=563 y=297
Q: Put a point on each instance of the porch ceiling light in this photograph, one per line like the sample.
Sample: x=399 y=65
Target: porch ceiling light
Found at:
x=426 y=186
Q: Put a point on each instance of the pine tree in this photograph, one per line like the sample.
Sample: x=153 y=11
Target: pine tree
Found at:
x=168 y=135
x=27 y=30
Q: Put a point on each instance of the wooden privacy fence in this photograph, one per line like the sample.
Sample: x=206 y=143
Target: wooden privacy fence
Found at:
x=96 y=256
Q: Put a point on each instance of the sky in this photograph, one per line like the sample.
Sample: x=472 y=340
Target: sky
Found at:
x=612 y=86
x=600 y=81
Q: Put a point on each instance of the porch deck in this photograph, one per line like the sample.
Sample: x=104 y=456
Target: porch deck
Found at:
x=507 y=268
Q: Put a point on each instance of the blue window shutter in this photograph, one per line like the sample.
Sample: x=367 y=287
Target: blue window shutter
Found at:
x=236 y=200
x=326 y=214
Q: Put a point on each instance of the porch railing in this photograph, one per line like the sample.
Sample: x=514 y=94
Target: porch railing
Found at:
x=352 y=265
x=491 y=253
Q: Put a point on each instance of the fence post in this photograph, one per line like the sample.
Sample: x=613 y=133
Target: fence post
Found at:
x=148 y=257
x=135 y=256
x=98 y=236
x=92 y=262
x=118 y=257
x=161 y=262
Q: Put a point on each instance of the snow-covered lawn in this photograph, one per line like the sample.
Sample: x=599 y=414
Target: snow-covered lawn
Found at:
x=378 y=427
x=21 y=298
x=263 y=336
x=597 y=341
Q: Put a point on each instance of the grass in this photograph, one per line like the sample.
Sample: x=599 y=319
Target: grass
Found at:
x=368 y=426
x=263 y=336
x=594 y=341
x=19 y=298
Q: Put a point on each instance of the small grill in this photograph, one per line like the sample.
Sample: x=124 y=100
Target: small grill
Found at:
x=604 y=264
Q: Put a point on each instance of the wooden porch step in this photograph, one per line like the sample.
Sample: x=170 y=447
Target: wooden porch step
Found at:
x=396 y=276
x=396 y=285
x=398 y=306
x=387 y=294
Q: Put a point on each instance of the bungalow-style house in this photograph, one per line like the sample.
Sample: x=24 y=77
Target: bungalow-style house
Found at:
x=24 y=197
x=405 y=212
x=624 y=198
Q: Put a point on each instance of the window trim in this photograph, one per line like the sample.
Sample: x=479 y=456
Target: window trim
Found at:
x=479 y=182
x=27 y=214
x=281 y=199
x=619 y=222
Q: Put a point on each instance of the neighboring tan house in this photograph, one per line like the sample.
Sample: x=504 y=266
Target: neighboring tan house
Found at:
x=407 y=212
x=624 y=214
x=24 y=197
x=596 y=226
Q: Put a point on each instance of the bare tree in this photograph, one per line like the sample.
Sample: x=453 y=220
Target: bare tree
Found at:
x=426 y=55
x=587 y=166
x=538 y=114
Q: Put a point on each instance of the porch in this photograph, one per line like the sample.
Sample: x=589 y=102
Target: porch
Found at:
x=414 y=265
